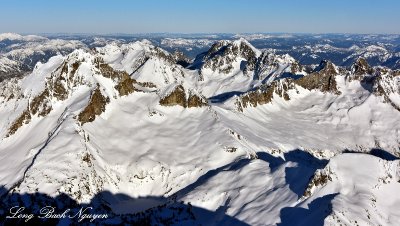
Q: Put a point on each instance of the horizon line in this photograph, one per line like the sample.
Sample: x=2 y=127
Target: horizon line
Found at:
x=193 y=33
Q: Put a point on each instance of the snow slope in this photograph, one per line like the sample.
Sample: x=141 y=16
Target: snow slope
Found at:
x=253 y=165
x=20 y=53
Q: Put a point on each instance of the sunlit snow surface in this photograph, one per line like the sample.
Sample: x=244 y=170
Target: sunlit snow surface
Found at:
x=139 y=148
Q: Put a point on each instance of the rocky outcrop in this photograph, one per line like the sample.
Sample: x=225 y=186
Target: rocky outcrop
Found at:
x=164 y=55
x=361 y=67
x=24 y=118
x=264 y=94
x=222 y=54
x=56 y=86
x=180 y=58
x=320 y=179
x=178 y=97
x=10 y=89
x=196 y=101
x=125 y=86
x=323 y=78
x=248 y=53
x=96 y=106
x=380 y=81
x=59 y=91
x=296 y=68
x=109 y=72
x=39 y=105
x=146 y=84
x=386 y=83
x=63 y=79
x=254 y=98
x=124 y=81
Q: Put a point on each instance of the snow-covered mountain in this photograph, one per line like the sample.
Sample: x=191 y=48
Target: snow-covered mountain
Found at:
x=379 y=53
x=241 y=136
x=19 y=54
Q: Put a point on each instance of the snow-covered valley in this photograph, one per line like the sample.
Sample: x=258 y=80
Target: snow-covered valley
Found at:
x=240 y=136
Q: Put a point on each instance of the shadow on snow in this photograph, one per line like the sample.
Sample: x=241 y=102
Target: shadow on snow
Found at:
x=315 y=215
x=299 y=167
x=163 y=211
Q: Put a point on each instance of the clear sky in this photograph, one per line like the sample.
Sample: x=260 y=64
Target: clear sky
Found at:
x=200 y=16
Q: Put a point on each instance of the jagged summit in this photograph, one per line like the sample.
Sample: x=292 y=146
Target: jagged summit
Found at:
x=326 y=67
x=19 y=54
x=361 y=67
x=239 y=66
x=225 y=56
x=181 y=59
x=128 y=118
x=144 y=62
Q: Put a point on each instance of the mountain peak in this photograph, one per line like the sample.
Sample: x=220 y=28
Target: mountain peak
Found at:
x=361 y=67
x=326 y=67
x=10 y=36
x=18 y=37
x=228 y=56
x=126 y=117
x=245 y=45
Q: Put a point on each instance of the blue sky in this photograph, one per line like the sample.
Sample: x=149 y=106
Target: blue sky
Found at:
x=200 y=16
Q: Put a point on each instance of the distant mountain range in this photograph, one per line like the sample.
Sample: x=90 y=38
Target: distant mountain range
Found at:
x=19 y=54
x=253 y=129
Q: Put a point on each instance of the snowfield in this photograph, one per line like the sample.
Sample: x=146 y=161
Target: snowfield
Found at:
x=313 y=157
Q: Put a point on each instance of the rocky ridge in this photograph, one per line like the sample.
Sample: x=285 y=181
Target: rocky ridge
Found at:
x=129 y=118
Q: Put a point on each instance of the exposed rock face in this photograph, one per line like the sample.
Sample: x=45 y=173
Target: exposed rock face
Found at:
x=125 y=82
x=162 y=54
x=296 y=67
x=254 y=98
x=264 y=94
x=321 y=178
x=63 y=79
x=146 y=84
x=215 y=48
x=178 y=97
x=323 y=78
x=10 y=89
x=264 y=62
x=39 y=105
x=270 y=66
x=386 y=84
x=96 y=106
x=380 y=80
x=180 y=58
x=60 y=84
x=59 y=91
x=222 y=54
x=24 y=118
x=248 y=53
x=125 y=87
x=109 y=72
x=196 y=101
x=57 y=85
x=361 y=67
